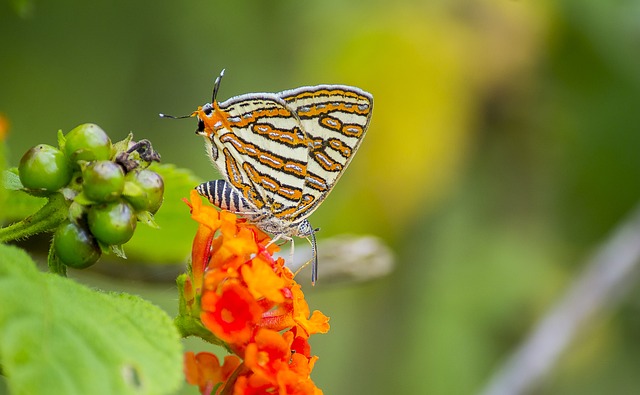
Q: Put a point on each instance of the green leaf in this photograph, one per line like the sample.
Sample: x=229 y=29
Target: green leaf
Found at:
x=83 y=200
x=118 y=251
x=121 y=146
x=59 y=337
x=11 y=180
x=172 y=242
x=146 y=218
x=62 y=140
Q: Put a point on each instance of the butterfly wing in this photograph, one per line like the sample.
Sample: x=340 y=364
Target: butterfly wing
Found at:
x=262 y=150
x=335 y=119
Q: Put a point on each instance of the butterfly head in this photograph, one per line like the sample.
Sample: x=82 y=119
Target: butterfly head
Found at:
x=202 y=114
x=304 y=229
x=209 y=118
x=209 y=114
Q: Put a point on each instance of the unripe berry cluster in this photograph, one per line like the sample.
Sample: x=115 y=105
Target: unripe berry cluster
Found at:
x=107 y=185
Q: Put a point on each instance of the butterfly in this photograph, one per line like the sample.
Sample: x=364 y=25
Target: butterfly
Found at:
x=281 y=153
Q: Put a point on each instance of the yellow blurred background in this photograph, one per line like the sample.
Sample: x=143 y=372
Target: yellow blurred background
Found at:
x=503 y=148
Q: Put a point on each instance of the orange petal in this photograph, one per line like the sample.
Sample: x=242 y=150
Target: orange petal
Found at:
x=317 y=323
x=262 y=281
x=200 y=254
x=204 y=369
x=267 y=355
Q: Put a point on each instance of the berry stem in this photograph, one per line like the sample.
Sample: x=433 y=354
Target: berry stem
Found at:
x=47 y=218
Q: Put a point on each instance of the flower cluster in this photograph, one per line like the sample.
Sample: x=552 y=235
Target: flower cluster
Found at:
x=249 y=302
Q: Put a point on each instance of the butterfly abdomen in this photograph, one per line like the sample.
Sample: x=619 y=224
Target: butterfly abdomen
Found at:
x=221 y=194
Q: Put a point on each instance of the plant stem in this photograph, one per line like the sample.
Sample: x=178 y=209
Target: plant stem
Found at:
x=606 y=278
x=47 y=218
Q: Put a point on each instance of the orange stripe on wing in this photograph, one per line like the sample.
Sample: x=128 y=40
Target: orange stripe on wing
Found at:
x=319 y=154
x=306 y=202
x=316 y=110
x=252 y=117
x=292 y=138
x=272 y=185
x=340 y=146
x=296 y=168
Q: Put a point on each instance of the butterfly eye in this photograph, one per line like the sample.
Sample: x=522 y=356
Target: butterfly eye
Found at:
x=207 y=109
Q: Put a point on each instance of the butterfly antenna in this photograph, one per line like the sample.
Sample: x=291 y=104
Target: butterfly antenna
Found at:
x=216 y=86
x=314 y=257
x=173 y=117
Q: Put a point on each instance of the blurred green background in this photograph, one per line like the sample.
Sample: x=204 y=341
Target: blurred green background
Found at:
x=504 y=147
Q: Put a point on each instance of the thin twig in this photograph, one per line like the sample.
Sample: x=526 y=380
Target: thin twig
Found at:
x=607 y=277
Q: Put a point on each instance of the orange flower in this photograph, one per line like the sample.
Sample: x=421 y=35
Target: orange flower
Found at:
x=204 y=215
x=252 y=385
x=317 y=323
x=234 y=248
x=268 y=354
x=204 y=370
x=200 y=254
x=244 y=297
x=232 y=314
x=300 y=345
x=262 y=281
x=209 y=221
x=292 y=383
x=271 y=360
x=296 y=314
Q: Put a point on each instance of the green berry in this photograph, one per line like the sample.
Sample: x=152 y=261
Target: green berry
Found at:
x=87 y=142
x=148 y=195
x=75 y=246
x=44 y=167
x=112 y=223
x=102 y=181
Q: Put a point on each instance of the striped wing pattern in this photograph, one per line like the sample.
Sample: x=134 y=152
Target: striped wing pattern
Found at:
x=259 y=145
x=284 y=152
x=335 y=119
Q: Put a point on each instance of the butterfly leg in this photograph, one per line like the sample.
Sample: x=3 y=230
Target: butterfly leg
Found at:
x=313 y=261
x=276 y=238
x=291 y=252
x=286 y=239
